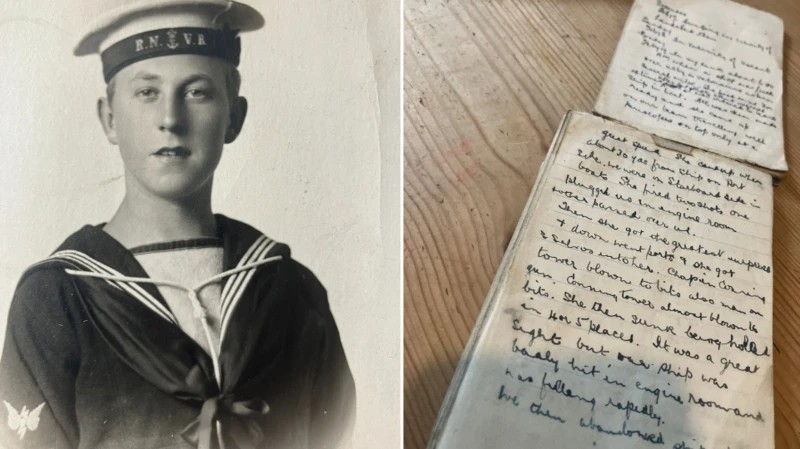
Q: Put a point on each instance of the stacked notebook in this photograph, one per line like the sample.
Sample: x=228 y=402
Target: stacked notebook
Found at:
x=633 y=307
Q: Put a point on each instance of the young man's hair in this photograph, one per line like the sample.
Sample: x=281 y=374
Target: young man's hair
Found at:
x=233 y=81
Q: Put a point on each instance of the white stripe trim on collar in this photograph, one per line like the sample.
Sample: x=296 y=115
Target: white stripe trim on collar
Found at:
x=242 y=280
x=135 y=290
x=254 y=253
x=244 y=260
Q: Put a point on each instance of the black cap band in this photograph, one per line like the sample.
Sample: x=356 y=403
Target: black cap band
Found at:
x=222 y=44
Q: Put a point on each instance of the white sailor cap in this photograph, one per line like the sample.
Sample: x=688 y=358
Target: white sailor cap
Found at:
x=135 y=30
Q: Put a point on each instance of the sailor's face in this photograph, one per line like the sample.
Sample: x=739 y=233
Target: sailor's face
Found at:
x=169 y=116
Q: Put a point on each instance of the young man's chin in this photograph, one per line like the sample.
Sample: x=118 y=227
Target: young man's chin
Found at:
x=178 y=190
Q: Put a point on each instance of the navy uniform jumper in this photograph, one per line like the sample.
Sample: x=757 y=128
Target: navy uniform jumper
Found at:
x=93 y=356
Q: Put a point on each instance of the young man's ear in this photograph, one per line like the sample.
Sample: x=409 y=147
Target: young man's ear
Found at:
x=238 y=113
x=106 y=117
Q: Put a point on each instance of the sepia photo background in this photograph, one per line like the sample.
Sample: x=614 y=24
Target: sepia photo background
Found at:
x=317 y=165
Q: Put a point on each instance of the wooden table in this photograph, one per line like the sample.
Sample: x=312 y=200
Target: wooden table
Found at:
x=486 y=83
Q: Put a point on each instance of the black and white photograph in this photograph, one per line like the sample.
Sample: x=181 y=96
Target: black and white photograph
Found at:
x=201 y=204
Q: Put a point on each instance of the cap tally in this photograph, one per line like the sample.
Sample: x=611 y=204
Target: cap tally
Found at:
x=222 y=44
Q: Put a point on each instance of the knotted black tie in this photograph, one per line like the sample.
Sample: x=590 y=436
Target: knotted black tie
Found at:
x=236 y=417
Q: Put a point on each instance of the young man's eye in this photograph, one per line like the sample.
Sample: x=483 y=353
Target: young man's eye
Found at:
x=146 y=93
x=197 y=94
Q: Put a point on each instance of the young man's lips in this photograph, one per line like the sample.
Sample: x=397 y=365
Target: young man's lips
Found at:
x=173 y=152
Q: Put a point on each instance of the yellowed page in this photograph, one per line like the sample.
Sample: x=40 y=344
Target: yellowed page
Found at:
x=706 y=73
x=633 y=310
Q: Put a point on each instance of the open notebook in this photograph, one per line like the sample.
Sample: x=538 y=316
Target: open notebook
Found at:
x=633 y=307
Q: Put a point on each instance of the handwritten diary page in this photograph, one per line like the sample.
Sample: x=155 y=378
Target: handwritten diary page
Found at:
x=632 y=310
x=706 y=73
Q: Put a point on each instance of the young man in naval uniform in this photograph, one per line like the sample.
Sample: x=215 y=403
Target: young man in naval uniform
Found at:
x=169 y=326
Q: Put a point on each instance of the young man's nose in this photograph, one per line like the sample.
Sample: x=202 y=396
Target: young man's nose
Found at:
x=173 y=117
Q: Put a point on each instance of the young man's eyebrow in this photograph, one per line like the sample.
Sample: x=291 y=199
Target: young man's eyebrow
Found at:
x=198 y=77
x=146 y=76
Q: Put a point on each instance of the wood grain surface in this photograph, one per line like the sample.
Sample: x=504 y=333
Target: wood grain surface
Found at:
x=486 y=84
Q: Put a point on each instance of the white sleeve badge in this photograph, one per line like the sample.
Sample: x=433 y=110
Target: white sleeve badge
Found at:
x=23 y=420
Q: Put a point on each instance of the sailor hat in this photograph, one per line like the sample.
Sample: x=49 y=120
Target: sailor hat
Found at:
x=140 y=29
